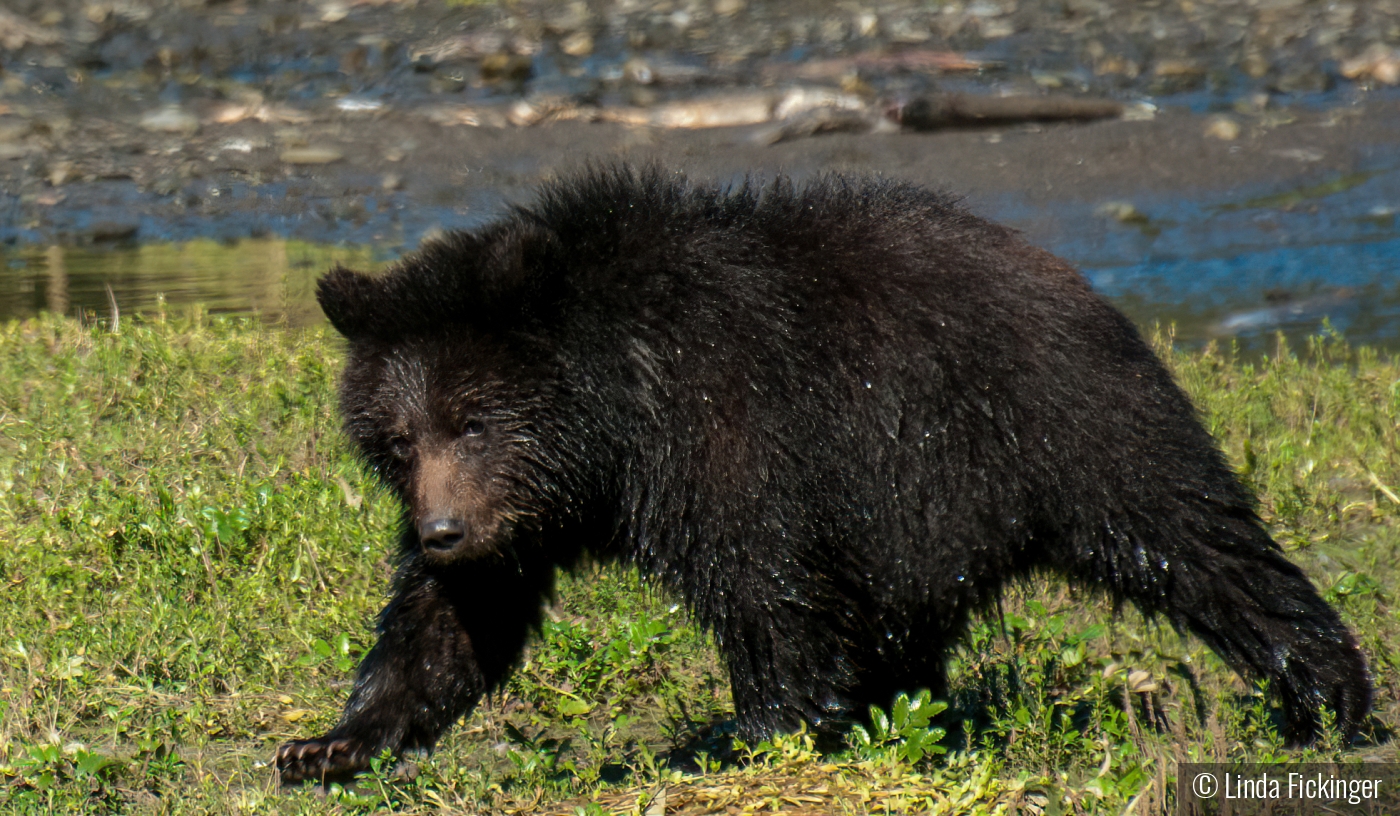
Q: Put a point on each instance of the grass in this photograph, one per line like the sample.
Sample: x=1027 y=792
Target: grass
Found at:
x=191 y=561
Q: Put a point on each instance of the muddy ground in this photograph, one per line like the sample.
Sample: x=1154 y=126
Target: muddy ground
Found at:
x=400 y=175
x=372 y=122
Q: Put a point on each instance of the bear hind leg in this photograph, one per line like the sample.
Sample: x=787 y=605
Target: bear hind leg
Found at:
x=1217 y=574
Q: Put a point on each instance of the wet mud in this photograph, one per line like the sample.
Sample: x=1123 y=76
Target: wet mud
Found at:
x=203 y=150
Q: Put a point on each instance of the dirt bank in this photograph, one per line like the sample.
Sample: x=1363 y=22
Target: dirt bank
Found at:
x=374 y=120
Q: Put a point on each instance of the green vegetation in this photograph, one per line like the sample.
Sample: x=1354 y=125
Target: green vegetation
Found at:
x=191 y=561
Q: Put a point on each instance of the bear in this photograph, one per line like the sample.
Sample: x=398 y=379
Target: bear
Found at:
x=832 y=418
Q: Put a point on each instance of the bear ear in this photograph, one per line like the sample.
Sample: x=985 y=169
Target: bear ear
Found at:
x=347 y=298
x=514 y=266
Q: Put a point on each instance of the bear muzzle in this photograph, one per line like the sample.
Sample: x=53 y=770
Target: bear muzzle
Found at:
x=449 y=536
x=454 y=511
x=442 y=535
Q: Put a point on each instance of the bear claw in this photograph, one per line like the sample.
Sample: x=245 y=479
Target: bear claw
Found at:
x=320 y=760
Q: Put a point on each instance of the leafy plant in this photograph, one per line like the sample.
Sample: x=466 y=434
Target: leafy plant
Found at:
x=342 y=654
x=905 y=731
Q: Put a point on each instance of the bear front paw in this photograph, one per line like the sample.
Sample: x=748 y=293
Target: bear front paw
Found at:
x=321 y=760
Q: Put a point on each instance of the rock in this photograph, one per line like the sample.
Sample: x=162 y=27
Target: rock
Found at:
x=247 y=104
x=1121 y=211
x=171 y=119
x=60 y=172
x=506 y=66
x=996 y=29
x=982 y=8
x=725 y=8
x=238 y=146
x=446 y=82
x=9 y=150
x=334 y=12
x=354 y=103
x=1302 y=154
x=525 y=45
x=1140 y=112
x=1305 y=79
x=167 y=184
x=638 y=71
x=311 y=155
x=469 y=115
x=1178 y=69
x=577 y=44
x=1176 y=75
x=642 y=97
x=571 y=17
x=833 y=30
x=867 y=24
x=524 y=113
x=905 y=31
x=1223 y=128
x=1256 y=66
x=14 y=130
x=1253 y=104
x=17 y=32
x=1379 y=62
x=113 y=230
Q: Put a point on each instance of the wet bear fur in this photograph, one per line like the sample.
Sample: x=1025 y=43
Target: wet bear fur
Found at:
x=833 y=419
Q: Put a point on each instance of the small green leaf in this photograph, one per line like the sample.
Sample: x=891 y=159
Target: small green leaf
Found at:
x=901 y=711
x=881 y=723
x=574 y=708
x=91 y=763
x=860 y=736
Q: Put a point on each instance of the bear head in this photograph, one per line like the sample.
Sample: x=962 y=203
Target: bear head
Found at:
x=441 y=396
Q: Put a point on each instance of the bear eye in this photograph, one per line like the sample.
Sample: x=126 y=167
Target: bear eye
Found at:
x=400 y=447
x=474 y=427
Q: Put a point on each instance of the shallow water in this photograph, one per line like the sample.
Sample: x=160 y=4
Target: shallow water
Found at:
x=1235 y=268
x=272 y=278
x=1246 y=266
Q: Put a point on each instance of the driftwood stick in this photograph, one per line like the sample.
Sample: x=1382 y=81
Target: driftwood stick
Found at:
x=965 y=110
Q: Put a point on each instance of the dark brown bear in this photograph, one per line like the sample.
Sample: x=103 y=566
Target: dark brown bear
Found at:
x=834 y=420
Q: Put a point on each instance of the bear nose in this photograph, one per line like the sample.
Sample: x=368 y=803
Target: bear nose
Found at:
x=441 y=533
